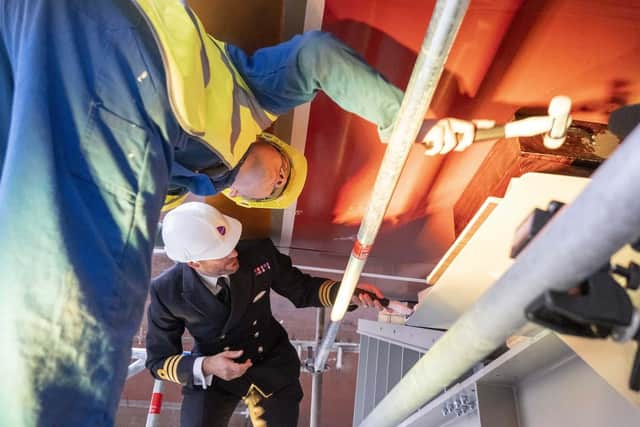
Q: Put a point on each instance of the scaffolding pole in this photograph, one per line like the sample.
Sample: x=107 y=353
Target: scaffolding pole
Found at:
x=443 y=27
x=155 y=406
x=316 y=377
x=578 y=241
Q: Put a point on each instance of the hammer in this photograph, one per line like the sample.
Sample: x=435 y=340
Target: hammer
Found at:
x=554 y=126
x=395 y=306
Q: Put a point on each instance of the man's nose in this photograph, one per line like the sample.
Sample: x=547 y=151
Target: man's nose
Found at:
x=233 y=254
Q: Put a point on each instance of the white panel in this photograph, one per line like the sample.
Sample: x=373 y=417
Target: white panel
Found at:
x=382 y=370
x=358 y=410
x=395 y=366
x=572 y=395
x=370 y=384
x=485 y=257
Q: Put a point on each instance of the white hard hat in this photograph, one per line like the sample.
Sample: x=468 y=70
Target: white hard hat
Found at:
x=196 y=232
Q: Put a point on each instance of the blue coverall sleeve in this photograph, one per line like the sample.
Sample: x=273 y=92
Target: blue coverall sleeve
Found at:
x=291 y=73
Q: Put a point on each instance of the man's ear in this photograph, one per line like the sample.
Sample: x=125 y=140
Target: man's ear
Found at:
x=282 y=179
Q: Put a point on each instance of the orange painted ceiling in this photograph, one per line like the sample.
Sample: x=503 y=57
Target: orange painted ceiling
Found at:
x=508 y=54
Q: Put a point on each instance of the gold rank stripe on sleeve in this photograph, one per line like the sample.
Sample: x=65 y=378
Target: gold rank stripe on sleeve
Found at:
x=169 y=370
x=162 y=372
x=173 y=368
x=324 y=293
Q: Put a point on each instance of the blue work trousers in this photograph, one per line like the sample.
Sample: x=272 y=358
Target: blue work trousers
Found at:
x=84 y=164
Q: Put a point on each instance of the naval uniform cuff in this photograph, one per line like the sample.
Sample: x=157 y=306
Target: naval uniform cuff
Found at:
x=198 y=376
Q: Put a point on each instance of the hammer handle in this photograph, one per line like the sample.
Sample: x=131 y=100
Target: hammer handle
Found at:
x=496 y=132
x=383 y=301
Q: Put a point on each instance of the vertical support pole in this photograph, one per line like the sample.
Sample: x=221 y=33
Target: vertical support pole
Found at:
x=155 y=406
x=316 y=377
x=443 y=27
x=339 y=358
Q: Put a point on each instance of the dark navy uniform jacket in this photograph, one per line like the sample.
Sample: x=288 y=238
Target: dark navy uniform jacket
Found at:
x=180 y=300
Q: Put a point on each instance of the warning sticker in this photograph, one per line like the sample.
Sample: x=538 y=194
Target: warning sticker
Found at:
x=360 y=251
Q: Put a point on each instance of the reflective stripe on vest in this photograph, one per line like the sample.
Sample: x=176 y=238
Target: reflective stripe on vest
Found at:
x=208 y=96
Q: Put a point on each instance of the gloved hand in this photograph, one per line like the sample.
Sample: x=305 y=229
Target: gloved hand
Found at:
x=452 y=134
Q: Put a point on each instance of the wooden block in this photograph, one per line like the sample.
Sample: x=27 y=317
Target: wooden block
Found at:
x=586 y=147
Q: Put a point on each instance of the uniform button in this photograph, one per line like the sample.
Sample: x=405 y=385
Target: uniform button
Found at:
x=260 y=349
x=222 y=337
x=227 y=348
x=255 y=322
x=256 y=335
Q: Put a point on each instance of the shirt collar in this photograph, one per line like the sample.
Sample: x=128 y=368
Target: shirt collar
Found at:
x=200 y=183
x=211 y=282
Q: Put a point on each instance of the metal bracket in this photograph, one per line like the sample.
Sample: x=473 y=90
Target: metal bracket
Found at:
x=532 y=225
x=460 y=405
x=309 y=366
x=596 y=308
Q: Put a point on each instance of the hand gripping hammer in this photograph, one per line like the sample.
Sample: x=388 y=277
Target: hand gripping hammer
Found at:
x=554 y=126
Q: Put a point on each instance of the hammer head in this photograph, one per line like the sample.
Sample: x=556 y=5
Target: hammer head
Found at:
x=559 y=109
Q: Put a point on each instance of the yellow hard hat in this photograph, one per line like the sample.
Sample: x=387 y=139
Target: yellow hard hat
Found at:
x=294 y=185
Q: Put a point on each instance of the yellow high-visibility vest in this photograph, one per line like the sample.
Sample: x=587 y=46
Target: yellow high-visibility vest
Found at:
x=210 y=99
x=208 y=96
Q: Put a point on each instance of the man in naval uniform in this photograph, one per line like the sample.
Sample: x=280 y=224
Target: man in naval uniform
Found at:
x=220 y=292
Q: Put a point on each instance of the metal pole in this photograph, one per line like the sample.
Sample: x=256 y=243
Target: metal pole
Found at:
x=316 y=377
x=322 y=351
x=316 y=399
x=372 y=275
x=135 y=368
x=443 y=27
x=155 y=406
x=580 y=239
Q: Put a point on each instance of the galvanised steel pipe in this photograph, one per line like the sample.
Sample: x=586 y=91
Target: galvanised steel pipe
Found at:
x=322 y=353
x=155 y=406
x=443 y=27
x=316 y=377
x=580 y=239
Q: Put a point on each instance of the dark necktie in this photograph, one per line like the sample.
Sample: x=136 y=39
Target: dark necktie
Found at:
x=224 y=294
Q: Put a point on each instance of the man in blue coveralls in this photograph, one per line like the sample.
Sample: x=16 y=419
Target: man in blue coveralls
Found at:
x=105 y=108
